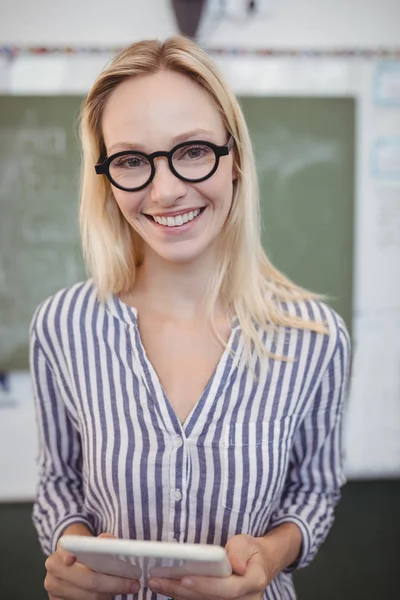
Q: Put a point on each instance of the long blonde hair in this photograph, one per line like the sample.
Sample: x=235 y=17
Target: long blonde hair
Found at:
x=244 y=279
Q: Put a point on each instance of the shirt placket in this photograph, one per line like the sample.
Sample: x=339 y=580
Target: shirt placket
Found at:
x=178 y=486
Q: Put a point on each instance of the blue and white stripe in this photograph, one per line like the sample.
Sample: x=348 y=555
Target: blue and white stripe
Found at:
x=261 y=447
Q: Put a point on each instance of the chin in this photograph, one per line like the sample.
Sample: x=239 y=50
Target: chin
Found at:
x=181 y=258
x=181 y=255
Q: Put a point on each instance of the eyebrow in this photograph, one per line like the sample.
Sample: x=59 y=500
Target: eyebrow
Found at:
x=182 y=137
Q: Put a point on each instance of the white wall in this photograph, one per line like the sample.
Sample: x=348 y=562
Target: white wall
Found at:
x=373 y=440
x=295 y=24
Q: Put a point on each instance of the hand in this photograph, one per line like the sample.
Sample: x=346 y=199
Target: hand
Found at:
x=67 y=579
x=248 y=582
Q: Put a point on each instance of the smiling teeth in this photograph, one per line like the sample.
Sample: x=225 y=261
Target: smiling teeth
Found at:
x=178 y=220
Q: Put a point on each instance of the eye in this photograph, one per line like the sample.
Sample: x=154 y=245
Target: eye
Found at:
x=129 y=161
x=193 y=152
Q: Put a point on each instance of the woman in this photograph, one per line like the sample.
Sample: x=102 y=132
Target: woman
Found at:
x=188 y=391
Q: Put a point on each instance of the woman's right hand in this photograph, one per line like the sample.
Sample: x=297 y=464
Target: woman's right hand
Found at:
x=67 y=579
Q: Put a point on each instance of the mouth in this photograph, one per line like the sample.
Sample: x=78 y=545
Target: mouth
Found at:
x=178 y=220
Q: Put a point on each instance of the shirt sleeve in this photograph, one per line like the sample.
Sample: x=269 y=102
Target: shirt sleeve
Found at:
x=59 y=498
x=315 y=474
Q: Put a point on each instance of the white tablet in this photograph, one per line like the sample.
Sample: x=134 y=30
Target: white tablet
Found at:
x=141 y=559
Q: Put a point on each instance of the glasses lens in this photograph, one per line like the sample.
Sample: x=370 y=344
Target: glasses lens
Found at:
x=130 y=170
x=194 y=161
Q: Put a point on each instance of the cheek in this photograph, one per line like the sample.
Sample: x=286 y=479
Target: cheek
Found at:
x=218 y=190
x=128 y=202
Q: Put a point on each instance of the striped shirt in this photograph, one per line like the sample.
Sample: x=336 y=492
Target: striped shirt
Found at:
x=261 y=447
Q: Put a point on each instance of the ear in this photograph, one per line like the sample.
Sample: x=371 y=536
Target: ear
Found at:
x=235 y=173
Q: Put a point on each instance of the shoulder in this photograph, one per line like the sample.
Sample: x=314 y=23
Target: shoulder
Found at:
x=55 y=313
x=315 y=311
x=325 y=346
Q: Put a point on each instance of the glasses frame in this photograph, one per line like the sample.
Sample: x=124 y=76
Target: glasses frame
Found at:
x=103 y=165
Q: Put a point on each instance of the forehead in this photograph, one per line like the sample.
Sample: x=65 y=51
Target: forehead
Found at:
x=153 y=108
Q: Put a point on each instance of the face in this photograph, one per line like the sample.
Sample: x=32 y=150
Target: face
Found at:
x=177 y=220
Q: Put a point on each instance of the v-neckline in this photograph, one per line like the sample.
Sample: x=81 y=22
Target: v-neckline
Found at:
x=220 y=376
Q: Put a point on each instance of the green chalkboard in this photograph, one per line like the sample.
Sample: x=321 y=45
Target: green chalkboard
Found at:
x=305 y=159
x=305 y=149
x=39 y=238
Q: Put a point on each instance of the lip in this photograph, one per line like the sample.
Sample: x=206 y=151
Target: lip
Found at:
x=174 y=213
x=178 y=229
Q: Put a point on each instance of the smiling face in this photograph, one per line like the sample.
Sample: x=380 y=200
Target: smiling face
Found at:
x=178 y=220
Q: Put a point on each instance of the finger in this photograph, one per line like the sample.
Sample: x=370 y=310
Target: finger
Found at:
x=172 y=588
x=67 y=557
x=100 y=582
x=239 y=566
x=240 y=549
x=221 y=587
x=73 y=593
x=108 y=535
x=62 y=590
x=79 y=576
x=58 y=560
x=253 y=581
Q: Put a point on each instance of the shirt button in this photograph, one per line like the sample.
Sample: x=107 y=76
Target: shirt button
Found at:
x=178 y=495
x=178 y=442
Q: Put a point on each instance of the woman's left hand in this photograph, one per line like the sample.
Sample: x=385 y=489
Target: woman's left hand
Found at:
x=248 y=582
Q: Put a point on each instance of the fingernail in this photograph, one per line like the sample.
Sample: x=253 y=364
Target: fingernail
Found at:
x=154 y=585
x=187 y=582
x=134 y=588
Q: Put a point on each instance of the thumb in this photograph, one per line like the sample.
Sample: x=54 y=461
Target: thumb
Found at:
x=239 y=553
x=107 y=535
x=238 y=564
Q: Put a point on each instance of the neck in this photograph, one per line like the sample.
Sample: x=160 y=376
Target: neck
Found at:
x=177 y=290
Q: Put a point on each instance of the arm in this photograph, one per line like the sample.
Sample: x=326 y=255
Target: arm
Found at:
x=59 y=499
x=280 y=548
x=315 y=473
x=59 y=507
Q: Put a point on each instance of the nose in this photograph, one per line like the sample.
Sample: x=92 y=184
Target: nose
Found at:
x=165 y=186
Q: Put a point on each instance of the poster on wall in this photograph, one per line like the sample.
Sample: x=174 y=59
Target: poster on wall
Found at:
x=386 y=87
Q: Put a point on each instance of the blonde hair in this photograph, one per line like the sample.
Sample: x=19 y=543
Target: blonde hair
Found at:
x=244 y=279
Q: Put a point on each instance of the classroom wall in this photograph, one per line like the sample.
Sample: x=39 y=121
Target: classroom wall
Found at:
x=370 y=81
x=295 y=23
x=358 y=561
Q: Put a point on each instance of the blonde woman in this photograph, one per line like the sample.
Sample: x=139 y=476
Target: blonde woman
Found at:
x=188 y=391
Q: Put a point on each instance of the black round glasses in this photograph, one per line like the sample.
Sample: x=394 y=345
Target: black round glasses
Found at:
x=194 y=161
